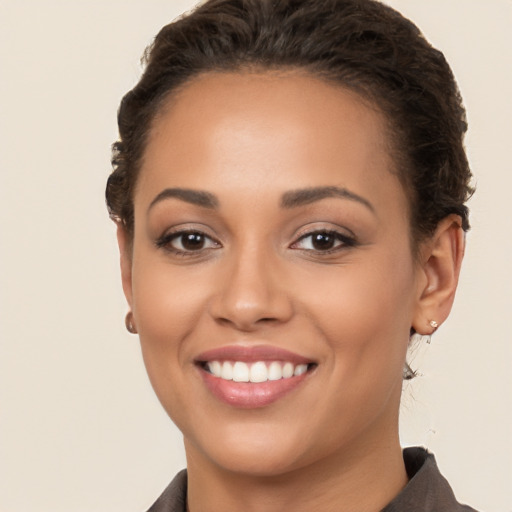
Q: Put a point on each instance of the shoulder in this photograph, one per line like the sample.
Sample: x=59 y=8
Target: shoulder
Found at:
x=427 y=490
x=174 y=498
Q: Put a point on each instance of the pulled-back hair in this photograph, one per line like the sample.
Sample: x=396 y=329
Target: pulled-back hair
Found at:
x=362 y=45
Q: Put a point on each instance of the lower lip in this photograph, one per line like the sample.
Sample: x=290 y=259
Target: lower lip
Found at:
x=248 y=395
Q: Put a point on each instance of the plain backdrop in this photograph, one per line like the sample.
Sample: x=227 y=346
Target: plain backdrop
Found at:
x=80 y=429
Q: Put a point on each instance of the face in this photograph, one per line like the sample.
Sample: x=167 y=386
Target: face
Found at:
x=272 y=280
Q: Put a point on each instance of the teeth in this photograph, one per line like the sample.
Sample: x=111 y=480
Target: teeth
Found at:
x=287 y=370
x=275 y=372
x=240 y=372
x=216 y=368
x=300 y=369
x=227 y=371
x=260 y=371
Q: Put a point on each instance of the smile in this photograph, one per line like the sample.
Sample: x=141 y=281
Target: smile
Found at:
x=252 y=377
x=259 y=371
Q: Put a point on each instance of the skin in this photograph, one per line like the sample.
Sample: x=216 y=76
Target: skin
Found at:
x=250 y=139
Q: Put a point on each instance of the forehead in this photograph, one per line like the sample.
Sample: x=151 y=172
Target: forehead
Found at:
x=230 y=131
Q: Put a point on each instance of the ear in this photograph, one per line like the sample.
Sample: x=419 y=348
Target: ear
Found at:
x=125 y=252
x=441 y=258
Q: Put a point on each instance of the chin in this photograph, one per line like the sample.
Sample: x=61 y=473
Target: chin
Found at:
x=257 y=463
x=256 y=449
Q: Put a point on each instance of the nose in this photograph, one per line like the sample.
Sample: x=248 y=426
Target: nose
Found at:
x=252 y=293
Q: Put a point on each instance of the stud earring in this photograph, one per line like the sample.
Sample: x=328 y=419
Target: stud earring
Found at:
x=129 y=323
x=434 y=325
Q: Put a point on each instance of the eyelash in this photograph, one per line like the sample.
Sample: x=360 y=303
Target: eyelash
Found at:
x=165 y=242
x=345 y=241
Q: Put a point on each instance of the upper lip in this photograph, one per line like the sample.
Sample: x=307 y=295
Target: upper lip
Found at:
x=251 y=354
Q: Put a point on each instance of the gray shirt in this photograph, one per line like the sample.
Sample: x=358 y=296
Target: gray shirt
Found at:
x=427 y=490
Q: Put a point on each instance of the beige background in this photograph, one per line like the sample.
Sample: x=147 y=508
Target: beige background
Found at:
x=80 y=429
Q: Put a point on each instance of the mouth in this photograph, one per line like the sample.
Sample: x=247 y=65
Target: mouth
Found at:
x=252 y=377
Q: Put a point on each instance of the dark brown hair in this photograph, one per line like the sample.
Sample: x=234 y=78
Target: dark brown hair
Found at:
x=359 y=44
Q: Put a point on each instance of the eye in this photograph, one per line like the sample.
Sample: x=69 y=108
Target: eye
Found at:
x=187 y=242
x=323 y=241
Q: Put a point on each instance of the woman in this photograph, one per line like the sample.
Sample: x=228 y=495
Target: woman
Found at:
x=289 y=189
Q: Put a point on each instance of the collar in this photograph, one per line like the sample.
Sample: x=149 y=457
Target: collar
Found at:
x=427 y=490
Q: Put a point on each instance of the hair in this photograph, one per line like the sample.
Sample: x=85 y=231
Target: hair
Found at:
x=362 y=45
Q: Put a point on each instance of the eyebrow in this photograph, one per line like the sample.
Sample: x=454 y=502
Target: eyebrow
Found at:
x=196 y=197
x=304 y=196
x=291 y=199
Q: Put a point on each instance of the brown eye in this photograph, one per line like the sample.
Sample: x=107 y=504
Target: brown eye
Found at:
x=323 y=242
x=191 y=241
x=187 y=242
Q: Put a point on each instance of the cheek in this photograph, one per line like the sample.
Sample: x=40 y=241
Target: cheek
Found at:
x=364 y=319
x=166 y=297
x=167 y=308
x=365 y=310
x=167 y=303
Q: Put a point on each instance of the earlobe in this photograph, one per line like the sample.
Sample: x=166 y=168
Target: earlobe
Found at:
x=441 y=261
x=125 y=253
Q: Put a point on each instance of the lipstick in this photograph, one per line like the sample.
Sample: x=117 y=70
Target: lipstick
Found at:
x=252 y=377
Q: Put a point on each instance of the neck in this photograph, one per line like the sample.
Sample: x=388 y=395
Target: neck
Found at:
x=362 y=479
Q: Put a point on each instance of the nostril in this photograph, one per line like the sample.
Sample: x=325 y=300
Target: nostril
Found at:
x=246 y=324
x=246 y=305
